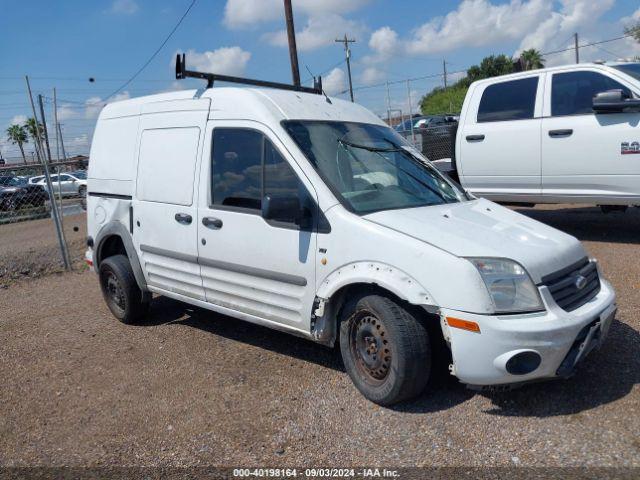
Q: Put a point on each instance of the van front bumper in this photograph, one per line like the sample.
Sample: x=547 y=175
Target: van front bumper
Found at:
x=512 y=349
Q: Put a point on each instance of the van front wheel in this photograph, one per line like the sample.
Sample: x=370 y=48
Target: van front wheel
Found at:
x=385 y=349
x=120 y=290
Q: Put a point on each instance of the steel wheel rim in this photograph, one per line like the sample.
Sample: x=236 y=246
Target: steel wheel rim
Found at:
x=114 y=291
x=370 y=347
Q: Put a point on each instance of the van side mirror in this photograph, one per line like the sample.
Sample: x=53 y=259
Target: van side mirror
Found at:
x=614 y=101
x=284 y=208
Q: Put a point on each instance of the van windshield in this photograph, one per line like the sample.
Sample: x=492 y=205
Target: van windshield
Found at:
x=370 y=167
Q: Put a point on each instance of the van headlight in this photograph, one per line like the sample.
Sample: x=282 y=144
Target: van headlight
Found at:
x=510 y=286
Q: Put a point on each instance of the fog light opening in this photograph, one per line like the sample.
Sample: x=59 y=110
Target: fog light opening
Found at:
x=523 y=363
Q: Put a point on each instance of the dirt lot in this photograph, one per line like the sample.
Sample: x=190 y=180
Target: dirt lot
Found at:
x=31 y=248
x=195 y=388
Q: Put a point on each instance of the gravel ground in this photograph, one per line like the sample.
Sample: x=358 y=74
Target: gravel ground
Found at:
x=195 y=388
x=30 y=249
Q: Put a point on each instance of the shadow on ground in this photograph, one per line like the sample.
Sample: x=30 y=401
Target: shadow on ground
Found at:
x=605 y=376
x=590 y=224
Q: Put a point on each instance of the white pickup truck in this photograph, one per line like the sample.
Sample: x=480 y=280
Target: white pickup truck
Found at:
x=558 y=135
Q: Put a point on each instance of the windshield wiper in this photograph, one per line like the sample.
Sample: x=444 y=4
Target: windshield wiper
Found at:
x=395 y=148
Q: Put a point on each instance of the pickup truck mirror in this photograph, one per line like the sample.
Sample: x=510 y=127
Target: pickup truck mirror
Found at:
x=284 y=208
x=614 y=101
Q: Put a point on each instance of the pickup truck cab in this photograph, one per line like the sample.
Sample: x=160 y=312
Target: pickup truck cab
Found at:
x=557 y=135
x=309 y=215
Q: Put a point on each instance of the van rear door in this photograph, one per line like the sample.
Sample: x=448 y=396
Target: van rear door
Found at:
x=499 y=140
x=587 y=156
x=164 y=205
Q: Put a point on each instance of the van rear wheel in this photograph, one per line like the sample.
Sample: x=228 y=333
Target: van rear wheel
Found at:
x=385 y=349
x=120 y=290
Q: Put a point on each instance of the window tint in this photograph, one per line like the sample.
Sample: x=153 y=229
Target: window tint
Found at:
x=572 y=92
x=237 y=168
x=247 y=166
x=515 y=100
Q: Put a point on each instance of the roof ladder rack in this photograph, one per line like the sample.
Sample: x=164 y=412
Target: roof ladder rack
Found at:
x=182 y=73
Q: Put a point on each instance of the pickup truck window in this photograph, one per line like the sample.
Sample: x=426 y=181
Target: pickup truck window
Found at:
x=632 y=69
x=514 y=100
x=369 y=168
x=572 y=92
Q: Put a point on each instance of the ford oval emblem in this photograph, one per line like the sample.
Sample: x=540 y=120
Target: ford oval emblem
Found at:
x=580 y=282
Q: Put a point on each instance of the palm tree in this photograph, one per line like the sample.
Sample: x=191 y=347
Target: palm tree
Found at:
x=17 y=134
x=531 y=59
x=33 y=128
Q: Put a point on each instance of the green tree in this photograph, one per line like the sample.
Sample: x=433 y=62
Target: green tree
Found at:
x=449 y=100
x=531 y=59
x=17 y=135
x=634 y=31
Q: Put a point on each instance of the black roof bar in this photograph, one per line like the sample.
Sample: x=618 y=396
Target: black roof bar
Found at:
x=182 y=73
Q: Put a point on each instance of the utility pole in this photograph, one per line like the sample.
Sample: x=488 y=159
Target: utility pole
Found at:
x=575 y=38
x=346 y=41
x=55 y=123
x=444 y=72
x=388 y=105
x=45 y=164
x=413 y=135
x=64 y=153
x=293 y=51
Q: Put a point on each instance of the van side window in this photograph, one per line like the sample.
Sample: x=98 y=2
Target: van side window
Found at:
x=246 y=167
x=572 y=92
x=514 y=100
x=237 y=168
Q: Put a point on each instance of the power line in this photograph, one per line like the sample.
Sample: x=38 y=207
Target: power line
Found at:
x=193 y=2
x=588 y=44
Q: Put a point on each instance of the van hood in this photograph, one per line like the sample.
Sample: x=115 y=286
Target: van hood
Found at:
x=480 y=228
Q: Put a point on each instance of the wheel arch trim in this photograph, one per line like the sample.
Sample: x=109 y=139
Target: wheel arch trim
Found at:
x=117 y=229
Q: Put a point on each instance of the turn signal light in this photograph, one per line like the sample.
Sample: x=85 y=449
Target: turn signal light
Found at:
x=463 y=324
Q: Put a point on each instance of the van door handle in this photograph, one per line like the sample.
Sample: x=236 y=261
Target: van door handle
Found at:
x=475 y=138
x=211 y=222
x=567 y=132
x=183 y=218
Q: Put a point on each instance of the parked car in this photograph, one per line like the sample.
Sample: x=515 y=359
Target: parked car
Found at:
x=314 y=217
x=417 y=121
x=16 y=193
x=72 y=184
x=35 y=179
x=557 y=135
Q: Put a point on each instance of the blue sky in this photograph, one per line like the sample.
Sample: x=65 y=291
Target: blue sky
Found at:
x=63 y=43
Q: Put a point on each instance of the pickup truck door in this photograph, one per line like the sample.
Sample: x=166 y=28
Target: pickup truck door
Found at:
x=262 y=269
x=585 y=156
x=498 y=143
x=164 y=220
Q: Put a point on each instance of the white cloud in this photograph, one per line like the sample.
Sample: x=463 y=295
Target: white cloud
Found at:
x=124 y=7
x=334 y=82
x=245 y=13
x=93 y=105
x=319 y=31
x=371 y=75
x=478 y=23
x=18 y=120
x=224 y=60
x=385 y=43
x=66 y=111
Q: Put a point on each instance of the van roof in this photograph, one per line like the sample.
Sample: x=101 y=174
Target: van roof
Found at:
x=265 y=105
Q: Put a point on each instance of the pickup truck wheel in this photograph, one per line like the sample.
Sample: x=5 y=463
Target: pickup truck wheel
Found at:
x=385 y=349
x=120 y=290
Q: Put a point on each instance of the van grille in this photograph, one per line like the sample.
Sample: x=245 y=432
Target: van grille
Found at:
x=568 y=289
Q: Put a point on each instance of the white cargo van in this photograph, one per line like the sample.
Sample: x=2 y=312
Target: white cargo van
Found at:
x=309 y=215
x=558 y=135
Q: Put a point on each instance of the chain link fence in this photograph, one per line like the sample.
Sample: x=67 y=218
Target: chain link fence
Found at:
x=436 y=142
x=30 y=243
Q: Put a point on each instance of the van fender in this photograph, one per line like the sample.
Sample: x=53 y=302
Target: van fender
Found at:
x=115 y=228
x=394 y=280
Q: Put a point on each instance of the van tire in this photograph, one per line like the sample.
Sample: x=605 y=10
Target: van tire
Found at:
x=385 y=349
x=120 y=290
